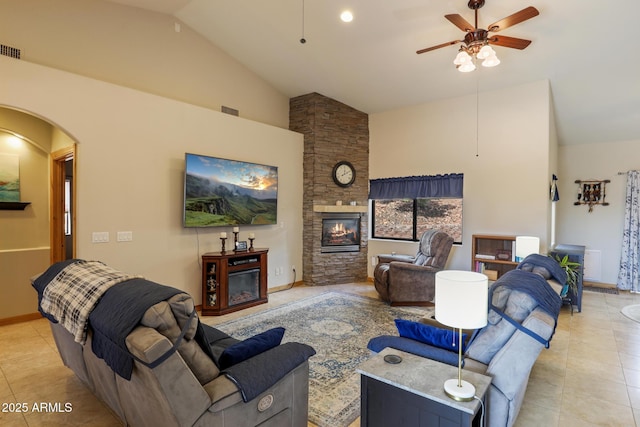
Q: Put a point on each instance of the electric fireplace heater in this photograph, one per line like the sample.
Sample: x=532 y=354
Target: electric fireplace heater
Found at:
x=244 y=286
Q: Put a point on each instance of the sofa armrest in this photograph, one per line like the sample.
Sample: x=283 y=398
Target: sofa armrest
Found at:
x=418 y=348
x=255 y=375
x=387 y=258
x=410 y=282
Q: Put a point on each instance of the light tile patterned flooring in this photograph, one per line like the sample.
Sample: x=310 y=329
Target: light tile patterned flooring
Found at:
x=590 y=376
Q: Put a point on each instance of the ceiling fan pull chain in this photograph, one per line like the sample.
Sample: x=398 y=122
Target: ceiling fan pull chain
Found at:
x=303 y=40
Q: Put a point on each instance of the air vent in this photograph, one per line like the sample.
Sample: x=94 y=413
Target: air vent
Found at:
x=229 y=110
x=9 y=51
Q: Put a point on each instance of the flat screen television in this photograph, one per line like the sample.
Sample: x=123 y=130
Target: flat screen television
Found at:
x=222 y=192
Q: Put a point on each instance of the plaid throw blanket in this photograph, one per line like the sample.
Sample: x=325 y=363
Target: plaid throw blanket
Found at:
x=73 y=293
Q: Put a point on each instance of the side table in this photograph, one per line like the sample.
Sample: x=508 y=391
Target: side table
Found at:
x=411 y=393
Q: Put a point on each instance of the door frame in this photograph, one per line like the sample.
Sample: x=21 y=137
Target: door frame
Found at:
x=58 y=175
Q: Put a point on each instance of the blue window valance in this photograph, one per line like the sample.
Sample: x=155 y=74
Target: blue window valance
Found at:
x=415 y=187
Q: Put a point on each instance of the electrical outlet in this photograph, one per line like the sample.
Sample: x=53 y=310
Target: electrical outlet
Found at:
x=373 y=261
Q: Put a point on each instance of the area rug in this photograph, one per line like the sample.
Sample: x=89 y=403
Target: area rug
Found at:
x=338 y=326
x=632 y=312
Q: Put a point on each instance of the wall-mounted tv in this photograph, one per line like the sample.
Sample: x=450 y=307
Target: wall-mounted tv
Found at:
x=223 y=192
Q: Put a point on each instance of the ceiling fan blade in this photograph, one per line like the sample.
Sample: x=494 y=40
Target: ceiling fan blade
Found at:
x=516 y=18
x=460 y=22
x=428 y=49
x=511 y=42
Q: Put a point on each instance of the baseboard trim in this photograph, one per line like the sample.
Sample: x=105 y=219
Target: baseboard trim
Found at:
x=284 y=287
x=20 y=319
x=412 y=303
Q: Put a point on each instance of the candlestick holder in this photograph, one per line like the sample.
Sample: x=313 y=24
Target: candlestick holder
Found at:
x=223 y=240
x=235 y=239
x=251 y=239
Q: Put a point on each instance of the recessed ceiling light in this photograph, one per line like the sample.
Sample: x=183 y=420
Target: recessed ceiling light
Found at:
x=346 y=16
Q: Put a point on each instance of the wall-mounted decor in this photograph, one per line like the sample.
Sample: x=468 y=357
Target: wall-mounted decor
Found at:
x=9 y=178
x=592 y=192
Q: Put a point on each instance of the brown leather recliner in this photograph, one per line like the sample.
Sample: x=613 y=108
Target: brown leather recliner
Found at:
x=405 y=280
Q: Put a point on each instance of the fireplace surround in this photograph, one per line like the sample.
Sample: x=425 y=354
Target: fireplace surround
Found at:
x=340 y=232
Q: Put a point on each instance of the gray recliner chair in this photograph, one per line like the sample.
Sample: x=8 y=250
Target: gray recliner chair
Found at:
x=405 y=280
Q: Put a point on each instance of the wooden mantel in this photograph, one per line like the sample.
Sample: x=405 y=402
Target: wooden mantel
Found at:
x=341 y=208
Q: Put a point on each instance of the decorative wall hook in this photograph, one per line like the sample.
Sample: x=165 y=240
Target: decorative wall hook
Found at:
x=592 y=192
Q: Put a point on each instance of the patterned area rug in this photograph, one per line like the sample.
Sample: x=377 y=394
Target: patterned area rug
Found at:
x=338 y=326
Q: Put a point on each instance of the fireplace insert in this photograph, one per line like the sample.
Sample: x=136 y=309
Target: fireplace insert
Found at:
x=244 y=286
x=340 y=233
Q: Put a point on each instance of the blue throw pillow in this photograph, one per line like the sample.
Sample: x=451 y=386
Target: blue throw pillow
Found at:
x=250 y=347
x=442 y=338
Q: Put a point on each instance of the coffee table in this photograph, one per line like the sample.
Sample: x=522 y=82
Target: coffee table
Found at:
x=411 y=393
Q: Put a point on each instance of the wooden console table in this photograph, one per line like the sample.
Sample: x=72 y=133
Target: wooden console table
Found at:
x=411 y=393
x=232 y=281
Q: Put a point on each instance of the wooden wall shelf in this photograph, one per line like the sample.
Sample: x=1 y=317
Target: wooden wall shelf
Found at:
x=13 y=206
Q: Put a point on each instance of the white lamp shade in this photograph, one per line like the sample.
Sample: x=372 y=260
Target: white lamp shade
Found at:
x=491 y=61
x=461 y=299
x=466 y=67
x=485 y=52
x=461 y=58
x=526 y=245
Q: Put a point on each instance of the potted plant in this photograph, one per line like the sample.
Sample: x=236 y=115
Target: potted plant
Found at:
x=571 y=268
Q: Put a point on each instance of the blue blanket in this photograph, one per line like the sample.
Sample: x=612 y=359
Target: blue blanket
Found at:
x=533 y=285
x=550 y=264
x=117 y=314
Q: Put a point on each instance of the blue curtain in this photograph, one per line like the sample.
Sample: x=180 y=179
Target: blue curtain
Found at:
x=628 y=275
x=414 y=187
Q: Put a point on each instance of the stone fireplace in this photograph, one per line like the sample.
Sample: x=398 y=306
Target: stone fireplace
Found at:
x=333 y=132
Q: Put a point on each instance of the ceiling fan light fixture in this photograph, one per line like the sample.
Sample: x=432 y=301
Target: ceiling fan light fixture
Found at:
x=491 y=61
x=462 y=58
x=485 y=52
x=467 y=67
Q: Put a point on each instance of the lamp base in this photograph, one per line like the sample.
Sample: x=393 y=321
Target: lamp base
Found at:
x=464 y=393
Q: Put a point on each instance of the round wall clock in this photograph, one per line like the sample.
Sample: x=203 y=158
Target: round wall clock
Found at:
x=344 y=174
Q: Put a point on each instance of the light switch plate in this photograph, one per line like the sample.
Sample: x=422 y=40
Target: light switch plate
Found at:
x=125 y=236
x=100 y=237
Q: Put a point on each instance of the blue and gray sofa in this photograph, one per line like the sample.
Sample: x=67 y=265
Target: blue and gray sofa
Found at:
x=523 y=312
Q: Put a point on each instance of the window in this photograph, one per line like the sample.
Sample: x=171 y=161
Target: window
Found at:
x=67 y=207
x=406 y=218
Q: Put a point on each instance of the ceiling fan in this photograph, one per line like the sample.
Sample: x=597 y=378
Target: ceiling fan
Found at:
x=477 y=38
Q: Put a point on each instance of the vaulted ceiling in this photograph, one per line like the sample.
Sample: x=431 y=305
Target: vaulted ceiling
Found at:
x=586 y=49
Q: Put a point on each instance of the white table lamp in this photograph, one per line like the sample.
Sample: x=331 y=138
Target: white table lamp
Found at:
x=526 y=245
x=461 y=302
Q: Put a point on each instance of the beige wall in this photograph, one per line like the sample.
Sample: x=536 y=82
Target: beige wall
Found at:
x=506 y=185
x=600 y=230
x=140 y=49
x=130 y=165
x=24 y=234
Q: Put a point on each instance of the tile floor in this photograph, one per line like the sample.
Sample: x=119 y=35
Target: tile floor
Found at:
x=589 y=376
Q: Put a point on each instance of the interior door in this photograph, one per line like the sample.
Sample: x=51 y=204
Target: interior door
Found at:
x=63 y=204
